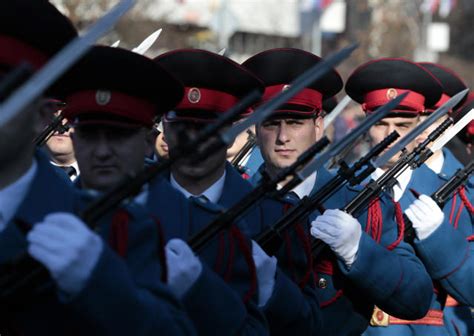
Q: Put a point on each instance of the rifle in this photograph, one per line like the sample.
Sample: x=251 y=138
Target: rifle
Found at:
x=244 y=151
x=388 y=179
x=56 y=125
x=13 y=282
x=271 y=239
x=269 y=184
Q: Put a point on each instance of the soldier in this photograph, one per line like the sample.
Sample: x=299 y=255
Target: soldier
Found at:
x=111 y=105
x=286 y=307
x=95 y=292
x=448 y=232
x=368 y=264
x=371 y=85
x=461 y=145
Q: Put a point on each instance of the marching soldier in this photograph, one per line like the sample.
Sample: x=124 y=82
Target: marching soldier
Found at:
x=373 y=84
x=368 y=264
x=95 y=291
x=286 y=307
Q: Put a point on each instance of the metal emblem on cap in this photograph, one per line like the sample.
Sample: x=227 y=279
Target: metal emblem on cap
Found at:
x=392 y=94
x=194 y=95
x=285 y=87
x=102 y=97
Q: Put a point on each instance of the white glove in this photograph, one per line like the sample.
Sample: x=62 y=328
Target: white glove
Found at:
x=67 y=248
x=184 y=267
x=425 y=216
x=340 y=231
x=266 y=269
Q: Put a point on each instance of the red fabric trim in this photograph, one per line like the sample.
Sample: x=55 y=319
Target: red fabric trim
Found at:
x=400 y=225
x=309 y=256
x=456 y=221
x=339 y=293
x=376 y=98
x=470 y=128
x=220 y=253
x=245 y=176
x=306 y=97
x=375 y=220
x=470 y=238
x=451 y=302
x=206 y=99
x=119 y=232
x=15 y=51
x=161 y=250
x=120 y=104
x=230 y=262
x=433 y=317
x=465 y=200
x=453 y=208
x=444 y=98
x=325 y=266
x=247 y=252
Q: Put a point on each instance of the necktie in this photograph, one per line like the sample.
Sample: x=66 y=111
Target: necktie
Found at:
x=70 y=170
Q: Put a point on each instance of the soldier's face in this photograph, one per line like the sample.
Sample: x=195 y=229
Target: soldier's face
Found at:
x=178 y=133
x=422 y=137
x=106 y=155
x=281 y=141
x=384 y=127
x=60 y=145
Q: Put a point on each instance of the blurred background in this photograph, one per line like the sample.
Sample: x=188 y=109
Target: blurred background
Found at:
x=421 y=30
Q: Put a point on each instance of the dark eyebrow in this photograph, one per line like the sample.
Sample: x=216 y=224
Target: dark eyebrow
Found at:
x=404 y=123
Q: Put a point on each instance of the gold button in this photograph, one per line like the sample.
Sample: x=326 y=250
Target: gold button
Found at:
x=322 y=283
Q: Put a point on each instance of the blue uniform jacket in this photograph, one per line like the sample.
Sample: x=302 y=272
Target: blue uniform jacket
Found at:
x=447 y=261
x=394 y=280
x=122 y=297
x=221 y=301
x=289 y=310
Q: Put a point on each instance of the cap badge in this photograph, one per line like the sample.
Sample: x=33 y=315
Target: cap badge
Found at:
x=392 y=94
x=194 y=95
x=102 y=97
x=285 y=87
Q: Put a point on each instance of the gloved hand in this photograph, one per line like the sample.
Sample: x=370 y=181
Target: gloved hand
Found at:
x=341 y=232
x=67 y=248
x=184 y=267
x=425 y=216
x=266 y=269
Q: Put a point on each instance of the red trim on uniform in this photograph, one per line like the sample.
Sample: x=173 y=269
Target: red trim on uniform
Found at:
x=453 y=208
x=300 y=232
x=456 y=221
x=230 y=263
x=206 y=99
x=451 y=302
x=374 y=220
x=433 y=317
x=161 y=250
x=470 y=238
x=465 y=200
x=470 y=128
x=119 y=104
x=247 y=252
x=119 y=232
x=15 y=51
x=338 y=294
x=377 y=98
x=325 y=266
x=400 y=225
x=306 y=97
x=444 y=98
x=220 y=253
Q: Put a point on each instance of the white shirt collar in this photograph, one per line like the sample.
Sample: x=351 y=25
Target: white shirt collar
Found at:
x=213 y=193
x=12 y=196
x=436 y=164
x=304 y=188
x=74 y=164
x=402 y=182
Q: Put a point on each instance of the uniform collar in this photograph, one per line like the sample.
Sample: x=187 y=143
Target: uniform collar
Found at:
x=213 y=193
x=402 y=182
